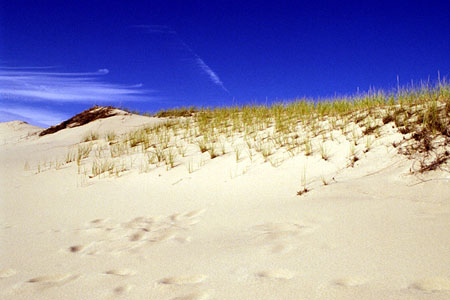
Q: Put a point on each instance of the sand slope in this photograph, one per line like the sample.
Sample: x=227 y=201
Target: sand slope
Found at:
x=229 y=230
x=15 y=131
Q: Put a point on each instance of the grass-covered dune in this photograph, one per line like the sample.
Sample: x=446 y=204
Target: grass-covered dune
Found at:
x=277 y=132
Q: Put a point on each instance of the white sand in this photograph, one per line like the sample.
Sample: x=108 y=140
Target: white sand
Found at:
x=226 y=231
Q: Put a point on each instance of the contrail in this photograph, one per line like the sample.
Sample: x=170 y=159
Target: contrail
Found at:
x=204 y=67
x=198 y=60
x=212 y=75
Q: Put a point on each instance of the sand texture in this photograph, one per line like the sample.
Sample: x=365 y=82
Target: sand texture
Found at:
x=221 y=228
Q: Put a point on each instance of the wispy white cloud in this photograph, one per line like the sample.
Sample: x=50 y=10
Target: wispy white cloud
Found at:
x=24 y=72
x=164 y=29
x=28 y=68
x=36 y=116
x=85 y=87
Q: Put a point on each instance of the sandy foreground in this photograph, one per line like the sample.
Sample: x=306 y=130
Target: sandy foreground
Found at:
x=228 y=230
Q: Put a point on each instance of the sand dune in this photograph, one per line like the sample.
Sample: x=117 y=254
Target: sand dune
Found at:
x=222 y=228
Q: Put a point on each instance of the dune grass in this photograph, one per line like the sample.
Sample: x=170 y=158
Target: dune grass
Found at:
x=278 y=132
x=303 y=182
x=111 y=136
x=91 y=136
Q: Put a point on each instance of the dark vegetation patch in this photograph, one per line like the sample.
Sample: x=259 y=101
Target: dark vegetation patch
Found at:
x=353 y=160
x=429 y=152
x=370 y=129
x=388 y=118
x=87 y=116
x=361 y=117
x=177 y=112
x=429 y=138
x=303 y=191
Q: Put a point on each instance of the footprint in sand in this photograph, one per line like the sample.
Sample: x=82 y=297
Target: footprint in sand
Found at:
x=277 y=274
x=195 y=296
x=165 y=234
x=54 y=279
x=195 y=213
x=141 y=223
x=98 y=222
x=123 y=289
x=121 y=272
x=280 y=238
x=7 y=273
x=137 y=236
x=77 y=248
x=183 y=280
x=183 y=239
x=115 y=238
x=281 y=248
x=276 y=231
x=432 y=284
x=6 y=226
x=350 y=281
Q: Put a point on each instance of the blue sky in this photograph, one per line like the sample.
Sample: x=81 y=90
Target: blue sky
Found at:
x=59 y=58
